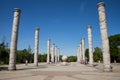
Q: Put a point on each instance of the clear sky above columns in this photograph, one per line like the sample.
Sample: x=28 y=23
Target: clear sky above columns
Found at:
x=63 y=21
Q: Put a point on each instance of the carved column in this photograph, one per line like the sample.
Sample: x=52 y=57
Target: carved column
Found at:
x=58 y=55
x=53 y=53
x=56 y=52
x=83 y=49
x=90 y=45
x=14 y=39
x=78 y=54
x=48 y=51
x=36 y=47
x=104 y=36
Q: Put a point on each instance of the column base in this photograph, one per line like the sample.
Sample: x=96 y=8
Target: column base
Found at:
x=12 y=67
x=91 y=65
x=107 y=68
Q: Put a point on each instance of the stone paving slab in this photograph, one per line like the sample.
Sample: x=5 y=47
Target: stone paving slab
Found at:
x=73 y=71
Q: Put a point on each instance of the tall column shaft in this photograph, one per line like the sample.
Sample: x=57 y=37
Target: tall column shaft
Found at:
x=83 y=49
x=90 y=45
x=14 y=39
x=104 y=36
x=48 y=51
x=36 y=47
x=53 y=53
x=56 y=52
x=80 y=52
x=58 y=55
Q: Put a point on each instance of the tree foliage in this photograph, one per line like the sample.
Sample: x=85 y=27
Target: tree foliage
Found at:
x=72 y=59
x=4 y=53
x=114 y=42
x=97 y=54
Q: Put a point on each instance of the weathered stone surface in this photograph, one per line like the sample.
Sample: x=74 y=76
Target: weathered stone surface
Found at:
x=53 y=53
x=48 y=51
x=14 y=39
x=58 y=57
x=104 y=36
x=78 y=54
x=90 y=45
x=56 y=52
x=36 y=47
x=83 y=49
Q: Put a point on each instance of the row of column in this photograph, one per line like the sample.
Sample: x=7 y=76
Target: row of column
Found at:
x=14 y=39
x=104 y=36
x=105 y=41
x=53 y=53
x=80 y=51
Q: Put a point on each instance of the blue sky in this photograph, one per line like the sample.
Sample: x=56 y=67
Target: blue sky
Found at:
x=63 y=21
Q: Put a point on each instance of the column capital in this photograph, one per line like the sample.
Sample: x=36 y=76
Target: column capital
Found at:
x=38 y=29
x=48 y=39
x=100 y=4
x=89 y=26
x=53 y=43
x=17 y=10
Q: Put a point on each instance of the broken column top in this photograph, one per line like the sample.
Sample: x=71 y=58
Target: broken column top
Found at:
x=101 y=4
x=89 y=26
x=37 y=29
x=17 y=10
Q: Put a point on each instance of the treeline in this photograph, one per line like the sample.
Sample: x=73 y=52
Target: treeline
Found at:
x=21 y=57
x=26 y=54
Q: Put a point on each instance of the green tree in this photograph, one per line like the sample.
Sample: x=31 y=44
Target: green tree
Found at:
x=22 y=56
x=97 y=55
x=72 y=59
x=87 y=54
x=114 y=42
x=42 y=57
x=4 y=54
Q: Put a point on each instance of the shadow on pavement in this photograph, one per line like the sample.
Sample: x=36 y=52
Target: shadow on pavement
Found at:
x=3 y=68
x=33 y=67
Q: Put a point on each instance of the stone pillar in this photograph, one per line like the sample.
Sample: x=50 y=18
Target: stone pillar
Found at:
x=14 y=39
x=56 y=52
x=48 y=51
x=78 y=54
x=104 y=36
x=90 y=45
x=83 y=50
x=58 y=56
x=53 y=53
x=36 y=47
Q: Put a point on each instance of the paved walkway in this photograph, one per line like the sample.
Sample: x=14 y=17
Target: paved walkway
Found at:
x=73 y=71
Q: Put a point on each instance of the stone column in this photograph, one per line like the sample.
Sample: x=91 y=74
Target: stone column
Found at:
x=53 y=52
x=56 y=52
x=48 y=51
x=78 y=54
x=14 y=39
x=90 y=45
x=36 y=47
x=104 y=36
x=58 y=56
x=83 y=50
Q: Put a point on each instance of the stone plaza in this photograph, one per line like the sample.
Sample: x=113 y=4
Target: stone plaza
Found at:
x=72 y=71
